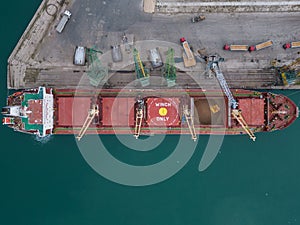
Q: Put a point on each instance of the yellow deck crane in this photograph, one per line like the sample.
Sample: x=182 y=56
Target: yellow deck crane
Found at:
x=91 y=115
x=139 y=118
x=190 y=121
x=237 y=114
x=288 y=72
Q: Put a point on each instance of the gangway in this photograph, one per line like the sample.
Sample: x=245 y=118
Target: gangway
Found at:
x=139 y=119
x=237 y=114
x=190 y=121
x=91 y=115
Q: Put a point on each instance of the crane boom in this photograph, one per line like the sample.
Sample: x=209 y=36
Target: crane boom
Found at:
x=232 y=102
x=238 y=116
x=190 y=121
x=91 y=115
x=138 y=123
x=139 y=118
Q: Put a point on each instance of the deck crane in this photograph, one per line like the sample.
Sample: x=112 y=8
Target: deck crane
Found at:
x=91 y=115
x=169 y=71
x=141 y=73
x=190 y=121
x=139 y=118
x=237 y=114
x=289 y=73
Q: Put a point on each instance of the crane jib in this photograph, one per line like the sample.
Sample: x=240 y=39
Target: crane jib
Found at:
x=233 y=103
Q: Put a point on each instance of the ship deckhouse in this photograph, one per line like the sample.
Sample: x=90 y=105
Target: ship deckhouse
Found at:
x=34 y=112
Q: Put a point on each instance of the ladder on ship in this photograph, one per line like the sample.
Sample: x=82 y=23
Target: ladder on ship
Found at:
x=190 y=121
x=91 y=115
x=139 y=118
x=213 y=65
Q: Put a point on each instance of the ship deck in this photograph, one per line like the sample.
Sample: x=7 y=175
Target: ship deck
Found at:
x=163 y=111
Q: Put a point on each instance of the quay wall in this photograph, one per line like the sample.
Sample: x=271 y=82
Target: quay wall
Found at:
x=22 y=57
x=225 y=6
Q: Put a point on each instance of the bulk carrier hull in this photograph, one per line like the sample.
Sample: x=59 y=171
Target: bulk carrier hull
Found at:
x=44 y=111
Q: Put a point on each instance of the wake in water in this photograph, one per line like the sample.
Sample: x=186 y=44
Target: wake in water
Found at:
x=43 y=140
x=296 y=92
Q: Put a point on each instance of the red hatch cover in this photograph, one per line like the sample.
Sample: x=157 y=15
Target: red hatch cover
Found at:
x=163 y=111
x=118 y=111
x=73 y=111
x=252 y=111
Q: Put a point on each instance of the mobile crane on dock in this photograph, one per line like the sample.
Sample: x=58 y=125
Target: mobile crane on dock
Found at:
x=235 y=112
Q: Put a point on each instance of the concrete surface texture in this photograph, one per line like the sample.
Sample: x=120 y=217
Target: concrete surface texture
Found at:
x=45 y=57
x=225 y=6
x=149 y=6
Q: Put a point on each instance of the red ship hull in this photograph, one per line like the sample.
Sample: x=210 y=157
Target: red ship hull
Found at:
x=162 y=111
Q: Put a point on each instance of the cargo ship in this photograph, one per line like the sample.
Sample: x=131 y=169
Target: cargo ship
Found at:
x=46 y=111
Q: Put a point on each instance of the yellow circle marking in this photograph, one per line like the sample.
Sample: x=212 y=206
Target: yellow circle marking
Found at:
x=163 y=111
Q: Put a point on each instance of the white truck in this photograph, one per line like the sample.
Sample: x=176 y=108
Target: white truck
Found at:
x=79 y=56
x=63 y=21
x=155 y=58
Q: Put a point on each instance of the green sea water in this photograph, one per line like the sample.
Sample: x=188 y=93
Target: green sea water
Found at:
x=52 y=184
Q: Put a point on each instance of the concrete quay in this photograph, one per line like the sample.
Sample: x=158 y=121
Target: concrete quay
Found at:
x=225 y=6
x=22 y=59
x=45 y=57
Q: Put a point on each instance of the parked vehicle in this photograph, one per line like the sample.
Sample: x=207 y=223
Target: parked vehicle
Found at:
x=295 y=44
x=260 y=46
x=79 y=56
x=188 y=57
x=155 y=58
x=63 y=21
x=236 y=47
x=197 y=19
x=116 y=53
